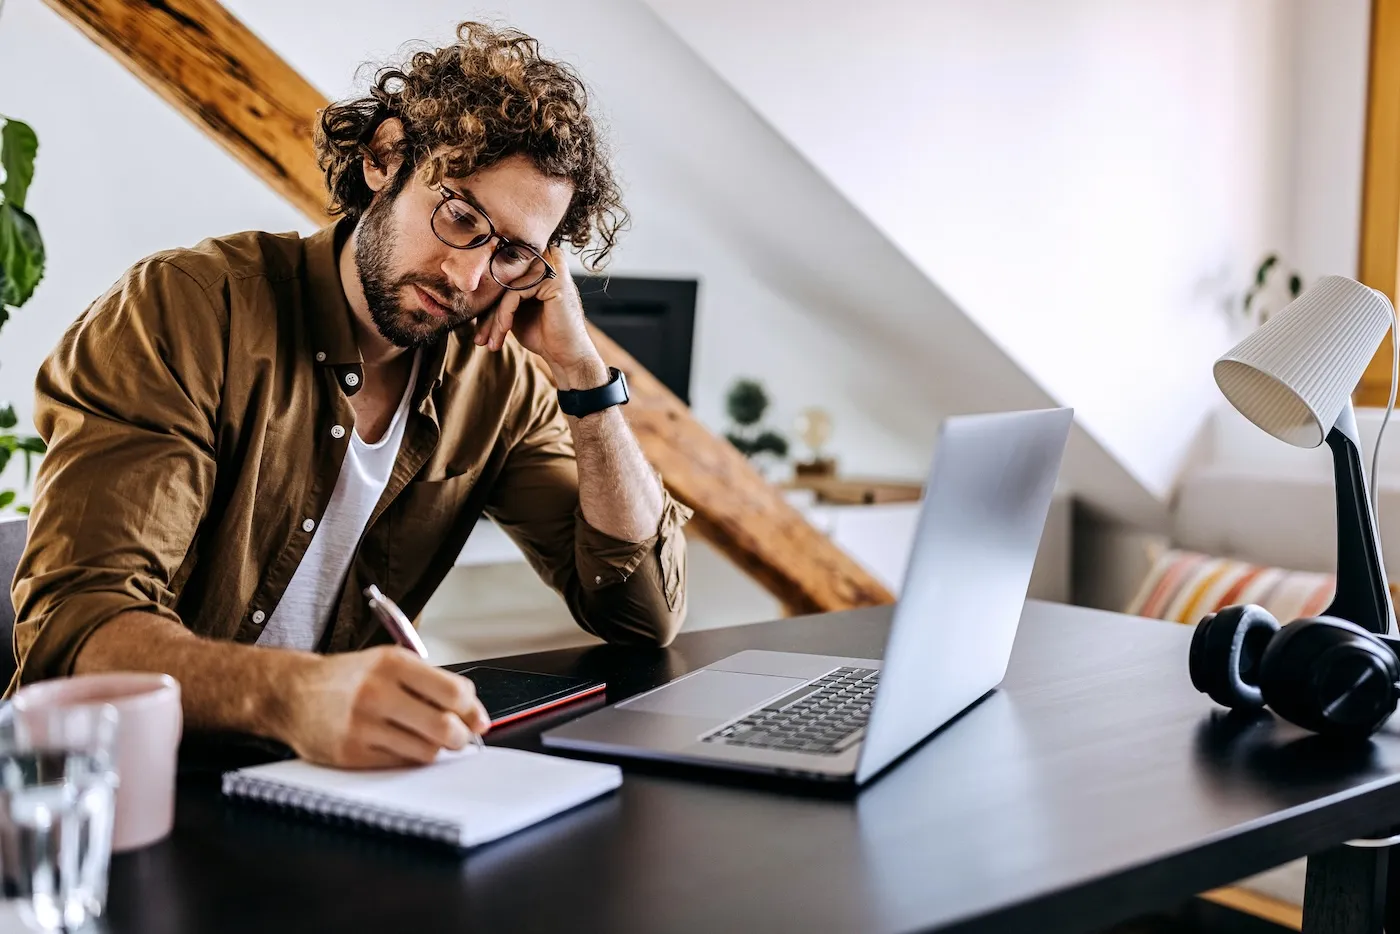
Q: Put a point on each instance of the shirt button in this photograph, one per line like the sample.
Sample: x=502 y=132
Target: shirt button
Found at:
x=259 y=616
x=337 y=431
x=352 y=379
x=320 y=356
x=598 y=579
x=308 y=524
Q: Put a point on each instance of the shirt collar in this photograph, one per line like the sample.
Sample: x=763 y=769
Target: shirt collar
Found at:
x=332 y=331
x=435 y=358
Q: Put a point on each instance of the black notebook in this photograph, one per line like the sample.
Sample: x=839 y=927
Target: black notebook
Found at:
x=508 y=694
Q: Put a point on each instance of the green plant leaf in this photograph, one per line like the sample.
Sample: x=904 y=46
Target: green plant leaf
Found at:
x=33 y=445
x=772 y=442
x=21 y=256
x=746 y=401
x=1264 y=268
x=1295 y=285
x=8 y=418
x=6 y=498
x=744 y=445
x=22 y=510
x=18 y=147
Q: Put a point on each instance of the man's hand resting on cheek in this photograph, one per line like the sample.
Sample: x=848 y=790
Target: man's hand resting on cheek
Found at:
x=548 y=320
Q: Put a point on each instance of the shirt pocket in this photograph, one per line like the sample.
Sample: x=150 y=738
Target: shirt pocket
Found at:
x=449 y=485
x=428 y=509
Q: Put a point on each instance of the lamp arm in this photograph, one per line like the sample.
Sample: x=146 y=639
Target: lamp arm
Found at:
x=1362 y=596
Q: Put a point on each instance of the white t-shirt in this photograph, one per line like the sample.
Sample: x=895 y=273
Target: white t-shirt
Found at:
x=305 y=609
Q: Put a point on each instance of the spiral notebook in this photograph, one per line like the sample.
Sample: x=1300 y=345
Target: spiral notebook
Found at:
x=464 y=798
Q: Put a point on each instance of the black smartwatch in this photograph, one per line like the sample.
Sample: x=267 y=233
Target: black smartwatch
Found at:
x=581 y=402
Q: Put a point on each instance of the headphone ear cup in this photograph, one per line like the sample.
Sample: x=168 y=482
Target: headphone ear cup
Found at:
x=1226 y=651
x=1330 y=676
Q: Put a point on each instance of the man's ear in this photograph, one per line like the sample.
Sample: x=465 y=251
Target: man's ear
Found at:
x=385 y=154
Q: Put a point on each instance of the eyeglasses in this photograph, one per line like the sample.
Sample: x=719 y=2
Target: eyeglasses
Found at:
x=463 y=226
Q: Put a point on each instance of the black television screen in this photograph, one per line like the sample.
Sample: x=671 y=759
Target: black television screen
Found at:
x=652 y=319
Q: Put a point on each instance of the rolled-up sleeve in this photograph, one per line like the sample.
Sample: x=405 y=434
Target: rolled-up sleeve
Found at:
x=621 y=591
x=127 y=404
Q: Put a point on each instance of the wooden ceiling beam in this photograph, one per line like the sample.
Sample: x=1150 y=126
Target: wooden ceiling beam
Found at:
x=210 y=67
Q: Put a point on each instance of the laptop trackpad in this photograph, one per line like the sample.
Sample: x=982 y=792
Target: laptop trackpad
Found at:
x=718 y=694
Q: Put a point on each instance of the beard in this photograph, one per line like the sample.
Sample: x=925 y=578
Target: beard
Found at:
x=401 y=326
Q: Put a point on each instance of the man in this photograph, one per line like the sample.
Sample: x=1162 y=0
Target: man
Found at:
x=246 y=434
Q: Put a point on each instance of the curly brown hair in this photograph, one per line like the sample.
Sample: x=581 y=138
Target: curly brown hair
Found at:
x=469 y=105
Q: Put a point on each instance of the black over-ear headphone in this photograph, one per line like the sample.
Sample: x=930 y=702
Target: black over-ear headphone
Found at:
x=1325 y=674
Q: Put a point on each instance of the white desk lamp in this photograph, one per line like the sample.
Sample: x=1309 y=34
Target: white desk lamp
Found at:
x=1293 y=377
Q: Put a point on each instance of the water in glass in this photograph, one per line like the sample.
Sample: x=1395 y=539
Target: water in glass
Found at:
x=56 y=809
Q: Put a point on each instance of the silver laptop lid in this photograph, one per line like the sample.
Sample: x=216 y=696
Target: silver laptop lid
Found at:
x=950 y=640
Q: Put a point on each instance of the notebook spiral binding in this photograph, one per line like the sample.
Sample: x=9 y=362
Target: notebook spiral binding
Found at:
x=390 y=820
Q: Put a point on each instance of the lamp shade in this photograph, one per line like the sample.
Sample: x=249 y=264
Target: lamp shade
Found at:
x=1295 y=373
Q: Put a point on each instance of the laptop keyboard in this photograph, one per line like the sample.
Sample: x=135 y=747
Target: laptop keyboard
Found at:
x=823 y=717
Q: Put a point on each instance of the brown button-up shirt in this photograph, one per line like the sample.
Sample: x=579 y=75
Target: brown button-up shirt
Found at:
x=191 y=415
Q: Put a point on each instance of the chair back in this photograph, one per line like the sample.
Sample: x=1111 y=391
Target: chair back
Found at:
x=14 y=531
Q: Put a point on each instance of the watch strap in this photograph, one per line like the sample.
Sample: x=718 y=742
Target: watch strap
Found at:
x=581 y=402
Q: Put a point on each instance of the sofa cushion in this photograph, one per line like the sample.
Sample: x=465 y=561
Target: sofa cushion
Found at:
x=1185 y=585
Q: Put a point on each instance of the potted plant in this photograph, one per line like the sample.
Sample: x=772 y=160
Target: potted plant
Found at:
x=21 y=268
x=1274 y=286
x=745 y=403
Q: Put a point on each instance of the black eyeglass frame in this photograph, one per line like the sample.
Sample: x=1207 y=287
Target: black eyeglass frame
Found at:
x=482 y=239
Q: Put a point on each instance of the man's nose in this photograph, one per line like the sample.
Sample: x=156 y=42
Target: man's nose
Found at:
x=465 y=269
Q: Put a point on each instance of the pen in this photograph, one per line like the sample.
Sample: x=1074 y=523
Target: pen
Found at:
x=402 y=631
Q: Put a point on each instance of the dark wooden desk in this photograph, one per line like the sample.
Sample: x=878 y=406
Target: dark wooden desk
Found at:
x=1095 y=786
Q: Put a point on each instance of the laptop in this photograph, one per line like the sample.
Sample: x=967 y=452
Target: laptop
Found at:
x=836 y=719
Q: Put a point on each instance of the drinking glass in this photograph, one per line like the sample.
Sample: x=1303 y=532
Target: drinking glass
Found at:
x=57 y=783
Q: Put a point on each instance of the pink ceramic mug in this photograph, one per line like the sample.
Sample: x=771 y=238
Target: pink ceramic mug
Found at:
x=148 y=738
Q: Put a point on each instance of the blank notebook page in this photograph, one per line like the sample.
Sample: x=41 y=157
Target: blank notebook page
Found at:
x=464 y=798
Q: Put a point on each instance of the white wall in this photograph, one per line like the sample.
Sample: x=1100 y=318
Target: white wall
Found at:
x=1329 y=47
x=1088 y=179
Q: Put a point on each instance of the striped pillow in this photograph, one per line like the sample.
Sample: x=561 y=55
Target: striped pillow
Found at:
x=1185 y=585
